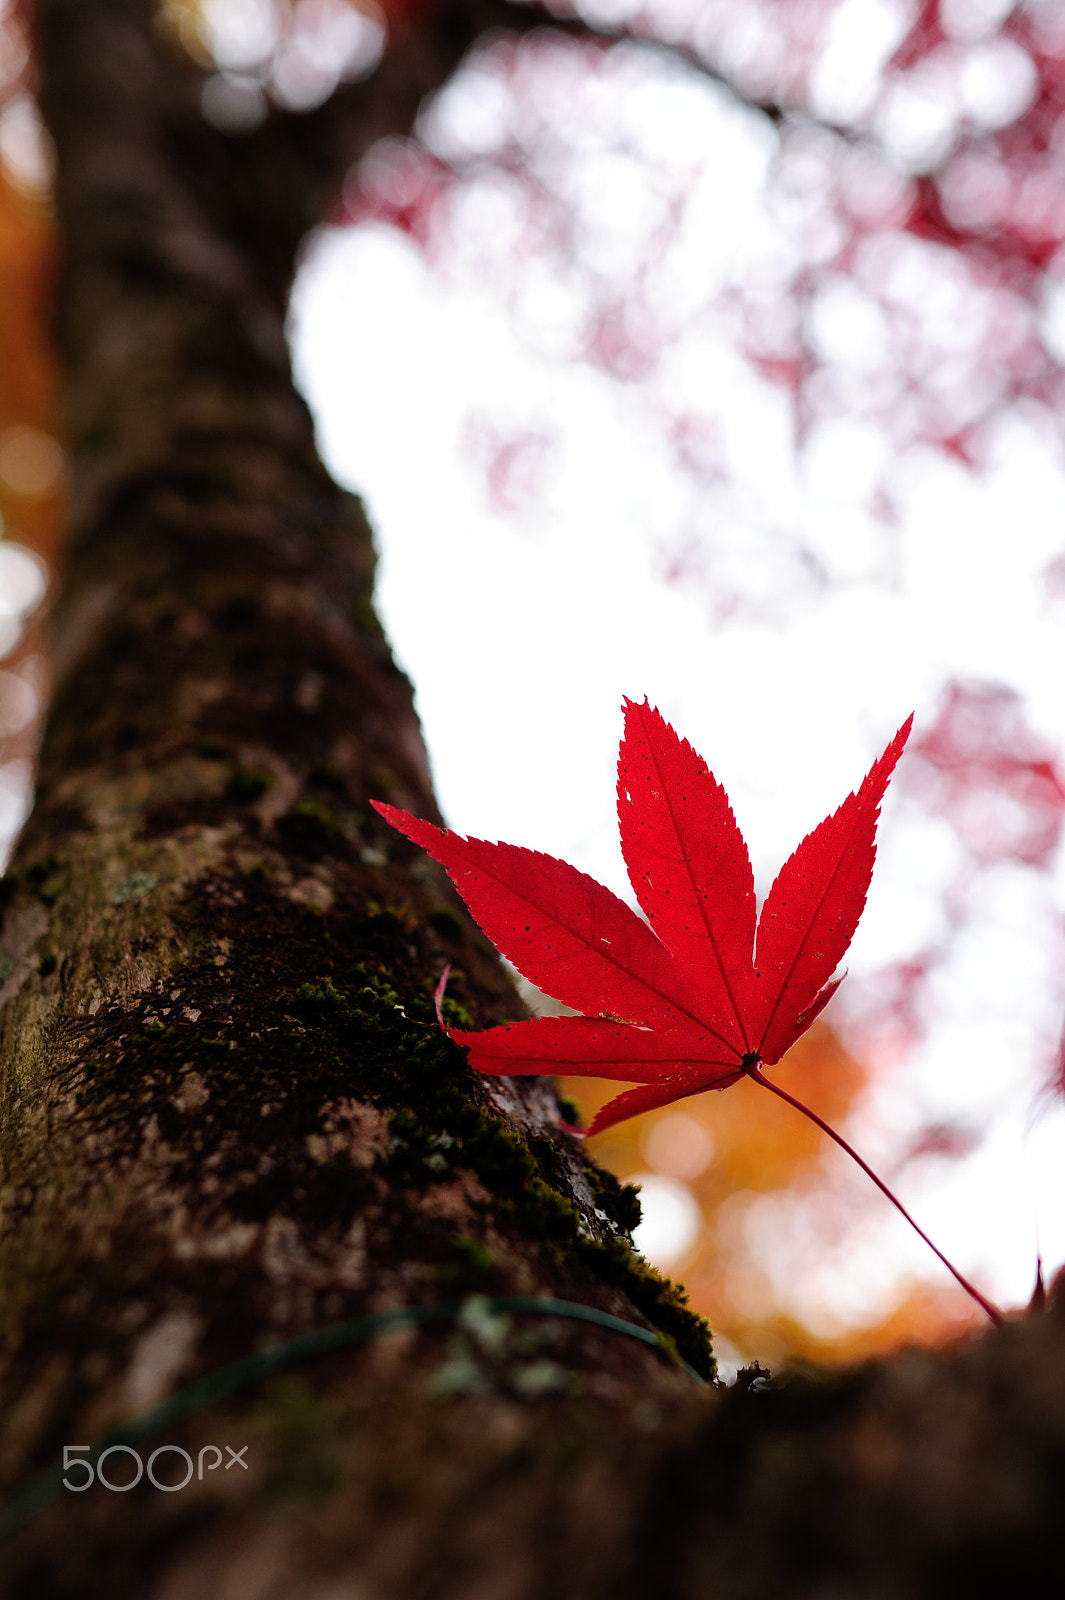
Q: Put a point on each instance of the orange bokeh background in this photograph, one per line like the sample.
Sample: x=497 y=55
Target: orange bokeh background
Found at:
x=731 y=1149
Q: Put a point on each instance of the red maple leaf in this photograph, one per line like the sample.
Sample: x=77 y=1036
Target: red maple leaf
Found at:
x=698 y=996
x=687 y=1003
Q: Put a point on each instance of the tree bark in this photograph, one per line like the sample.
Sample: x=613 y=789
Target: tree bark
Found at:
x=228 y=1116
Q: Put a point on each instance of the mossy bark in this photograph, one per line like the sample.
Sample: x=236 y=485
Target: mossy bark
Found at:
x=228 y=1117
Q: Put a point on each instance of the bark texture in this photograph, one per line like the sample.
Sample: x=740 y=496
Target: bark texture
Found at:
x=228 y=1117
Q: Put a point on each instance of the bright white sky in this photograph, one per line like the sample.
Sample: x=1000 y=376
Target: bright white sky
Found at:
x=522 y=631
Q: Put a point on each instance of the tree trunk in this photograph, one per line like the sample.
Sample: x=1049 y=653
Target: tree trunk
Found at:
x=228 y=1116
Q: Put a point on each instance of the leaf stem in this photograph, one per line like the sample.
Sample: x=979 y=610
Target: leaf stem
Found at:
x=754 y=1071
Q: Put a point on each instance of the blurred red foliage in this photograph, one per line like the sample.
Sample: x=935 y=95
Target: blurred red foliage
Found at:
x=982 y=768
x=928 y=174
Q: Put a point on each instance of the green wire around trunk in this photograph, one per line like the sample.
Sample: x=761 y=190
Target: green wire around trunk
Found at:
x=45 y=1487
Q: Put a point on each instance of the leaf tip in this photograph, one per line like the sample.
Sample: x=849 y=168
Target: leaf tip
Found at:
x=898 y=744
x=395 y=816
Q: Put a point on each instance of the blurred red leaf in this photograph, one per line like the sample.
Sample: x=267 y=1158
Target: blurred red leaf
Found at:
x=991 y=776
